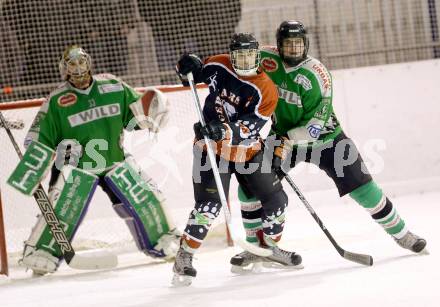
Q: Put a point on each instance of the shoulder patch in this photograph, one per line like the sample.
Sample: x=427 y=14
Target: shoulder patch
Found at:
x=269 y=64
x=109 y=88
x=67 y=100
x=303 y=81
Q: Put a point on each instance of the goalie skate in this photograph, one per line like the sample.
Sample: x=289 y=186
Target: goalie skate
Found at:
x=412 y=242
x=183 y=270
x=39 y=261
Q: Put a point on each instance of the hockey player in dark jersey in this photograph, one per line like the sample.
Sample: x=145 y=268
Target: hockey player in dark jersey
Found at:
x=306 y=125
x=241 y=99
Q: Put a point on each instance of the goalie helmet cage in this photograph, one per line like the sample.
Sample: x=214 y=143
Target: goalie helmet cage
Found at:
x=167 y=158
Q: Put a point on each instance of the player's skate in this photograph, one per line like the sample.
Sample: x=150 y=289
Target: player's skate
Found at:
x=283 y=259
x=183 y=270
x=412 y=242
x=245 y=262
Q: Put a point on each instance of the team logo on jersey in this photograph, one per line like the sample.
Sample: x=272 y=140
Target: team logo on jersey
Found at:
x=90 y=115
x=269 y=65
x=303 y=81
x=67 y=100
x=213 y=82
x=289 y=97
x=314 y=130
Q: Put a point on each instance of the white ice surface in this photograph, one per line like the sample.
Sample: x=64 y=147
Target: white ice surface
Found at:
x=397 y=278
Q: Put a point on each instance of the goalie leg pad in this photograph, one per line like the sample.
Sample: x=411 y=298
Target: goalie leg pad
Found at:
x=32 y=169
x=125 y=213
x=71 y=196
x=142 y=207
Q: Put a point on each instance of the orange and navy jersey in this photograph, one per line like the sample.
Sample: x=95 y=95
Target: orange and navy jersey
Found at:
x=244 y=104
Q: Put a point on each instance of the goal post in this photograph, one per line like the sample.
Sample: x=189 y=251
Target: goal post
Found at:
x=4 y=269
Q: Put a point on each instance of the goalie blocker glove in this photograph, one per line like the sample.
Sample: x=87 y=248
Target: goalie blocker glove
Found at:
x=189 y=63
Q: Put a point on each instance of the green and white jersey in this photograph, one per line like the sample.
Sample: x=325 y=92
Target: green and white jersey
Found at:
x=304 y=111
x=94 y=118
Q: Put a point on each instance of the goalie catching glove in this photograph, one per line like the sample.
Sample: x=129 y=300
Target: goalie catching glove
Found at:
x=151 y=111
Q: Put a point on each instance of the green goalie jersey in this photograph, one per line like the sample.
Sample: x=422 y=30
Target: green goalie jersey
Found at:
x=93 y=118
x=304 y=112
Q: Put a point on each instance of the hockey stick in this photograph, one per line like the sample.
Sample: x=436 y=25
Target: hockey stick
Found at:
x=93 y=261
x=358 y=258
x=254 y=249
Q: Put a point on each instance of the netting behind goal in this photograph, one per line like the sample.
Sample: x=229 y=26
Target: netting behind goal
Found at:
x=141 y=40
x=166 y=157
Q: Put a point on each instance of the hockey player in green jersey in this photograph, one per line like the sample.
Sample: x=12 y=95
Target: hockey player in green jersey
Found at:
x=82 y=124
x=307 y=129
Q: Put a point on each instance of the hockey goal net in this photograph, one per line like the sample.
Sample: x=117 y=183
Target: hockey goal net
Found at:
x=166 y=157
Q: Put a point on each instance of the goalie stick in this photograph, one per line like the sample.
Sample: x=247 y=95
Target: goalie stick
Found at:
x=92 y=261
x=358 y=258
x=254 y=249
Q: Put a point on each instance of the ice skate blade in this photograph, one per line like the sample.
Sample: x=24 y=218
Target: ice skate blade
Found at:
x=424 y=251
x=279 y=266
x=249 y=269
x=181 y=280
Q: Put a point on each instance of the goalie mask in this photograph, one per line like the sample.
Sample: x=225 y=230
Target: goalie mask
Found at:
x=245 y=55
x=75 y=66
x=292 y=42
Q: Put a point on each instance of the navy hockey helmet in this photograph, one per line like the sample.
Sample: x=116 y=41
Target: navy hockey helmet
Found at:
x=245 y=55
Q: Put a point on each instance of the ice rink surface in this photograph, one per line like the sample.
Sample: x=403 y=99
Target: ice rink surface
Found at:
x=397 y=278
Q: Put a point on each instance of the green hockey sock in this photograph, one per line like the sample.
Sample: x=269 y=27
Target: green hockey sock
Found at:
x=381 y=209
x=251 y=212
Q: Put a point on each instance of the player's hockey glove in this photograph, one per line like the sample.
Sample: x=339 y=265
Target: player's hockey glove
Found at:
x=279 y=155
x=189 y=63
x=214 y=130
